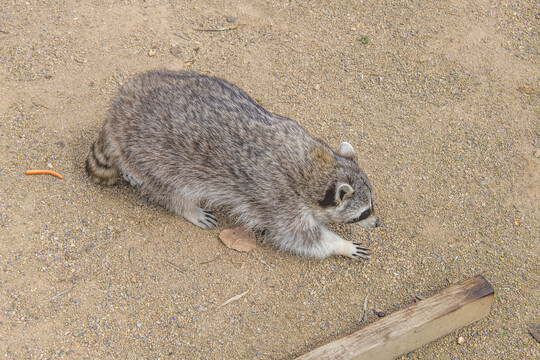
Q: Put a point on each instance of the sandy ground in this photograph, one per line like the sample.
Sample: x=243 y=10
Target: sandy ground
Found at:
x=440 y=99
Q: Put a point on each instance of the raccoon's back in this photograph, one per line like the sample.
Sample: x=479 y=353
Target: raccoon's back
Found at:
x=188 y=127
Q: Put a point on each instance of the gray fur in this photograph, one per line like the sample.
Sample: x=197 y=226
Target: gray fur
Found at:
x=187 y=139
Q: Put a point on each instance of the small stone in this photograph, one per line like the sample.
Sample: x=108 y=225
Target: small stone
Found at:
x=152 y=52
x=49 y=165
x=176 y=51
x=231 y=19
x=460 y=340
x=78 y=333
x=516 y=223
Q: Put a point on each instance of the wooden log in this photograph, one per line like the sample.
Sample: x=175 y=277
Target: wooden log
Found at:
x=412 y=327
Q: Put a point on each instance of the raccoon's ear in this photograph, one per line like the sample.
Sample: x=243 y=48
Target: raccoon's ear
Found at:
x=343 y=191
x=346 y=150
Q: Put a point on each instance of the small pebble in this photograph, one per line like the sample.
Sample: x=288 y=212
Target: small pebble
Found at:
x=176 y=51
x=231 y=19
x=460 y=340
x=78 y=333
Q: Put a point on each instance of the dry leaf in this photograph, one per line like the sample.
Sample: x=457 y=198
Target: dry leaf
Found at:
x=240 y=239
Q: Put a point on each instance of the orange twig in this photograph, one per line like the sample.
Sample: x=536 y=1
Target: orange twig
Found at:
x=47 y=172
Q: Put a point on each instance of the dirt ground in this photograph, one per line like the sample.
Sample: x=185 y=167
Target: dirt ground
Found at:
x=440 y=99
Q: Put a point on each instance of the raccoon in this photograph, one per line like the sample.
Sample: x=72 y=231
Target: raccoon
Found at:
x=189 y=140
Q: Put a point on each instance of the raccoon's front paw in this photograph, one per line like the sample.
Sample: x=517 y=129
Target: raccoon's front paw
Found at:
x=360 y=252
x=202 y=218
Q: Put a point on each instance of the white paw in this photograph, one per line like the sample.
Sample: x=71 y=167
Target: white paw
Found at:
x=360 y=252
x=201 y=218
x=344 y=247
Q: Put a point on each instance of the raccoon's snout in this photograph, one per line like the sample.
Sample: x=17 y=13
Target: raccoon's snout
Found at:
x=370 y=222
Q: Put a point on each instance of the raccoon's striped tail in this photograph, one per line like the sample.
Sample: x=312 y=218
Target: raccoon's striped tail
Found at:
x=100 y=164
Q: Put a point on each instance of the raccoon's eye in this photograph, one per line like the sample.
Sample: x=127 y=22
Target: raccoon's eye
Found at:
x=364 y=215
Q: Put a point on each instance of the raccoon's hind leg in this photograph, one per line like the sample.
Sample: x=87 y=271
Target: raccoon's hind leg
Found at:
x=192 y=213
x=101 y=164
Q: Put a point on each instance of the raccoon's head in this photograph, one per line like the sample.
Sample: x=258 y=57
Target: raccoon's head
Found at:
x=348 y=198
